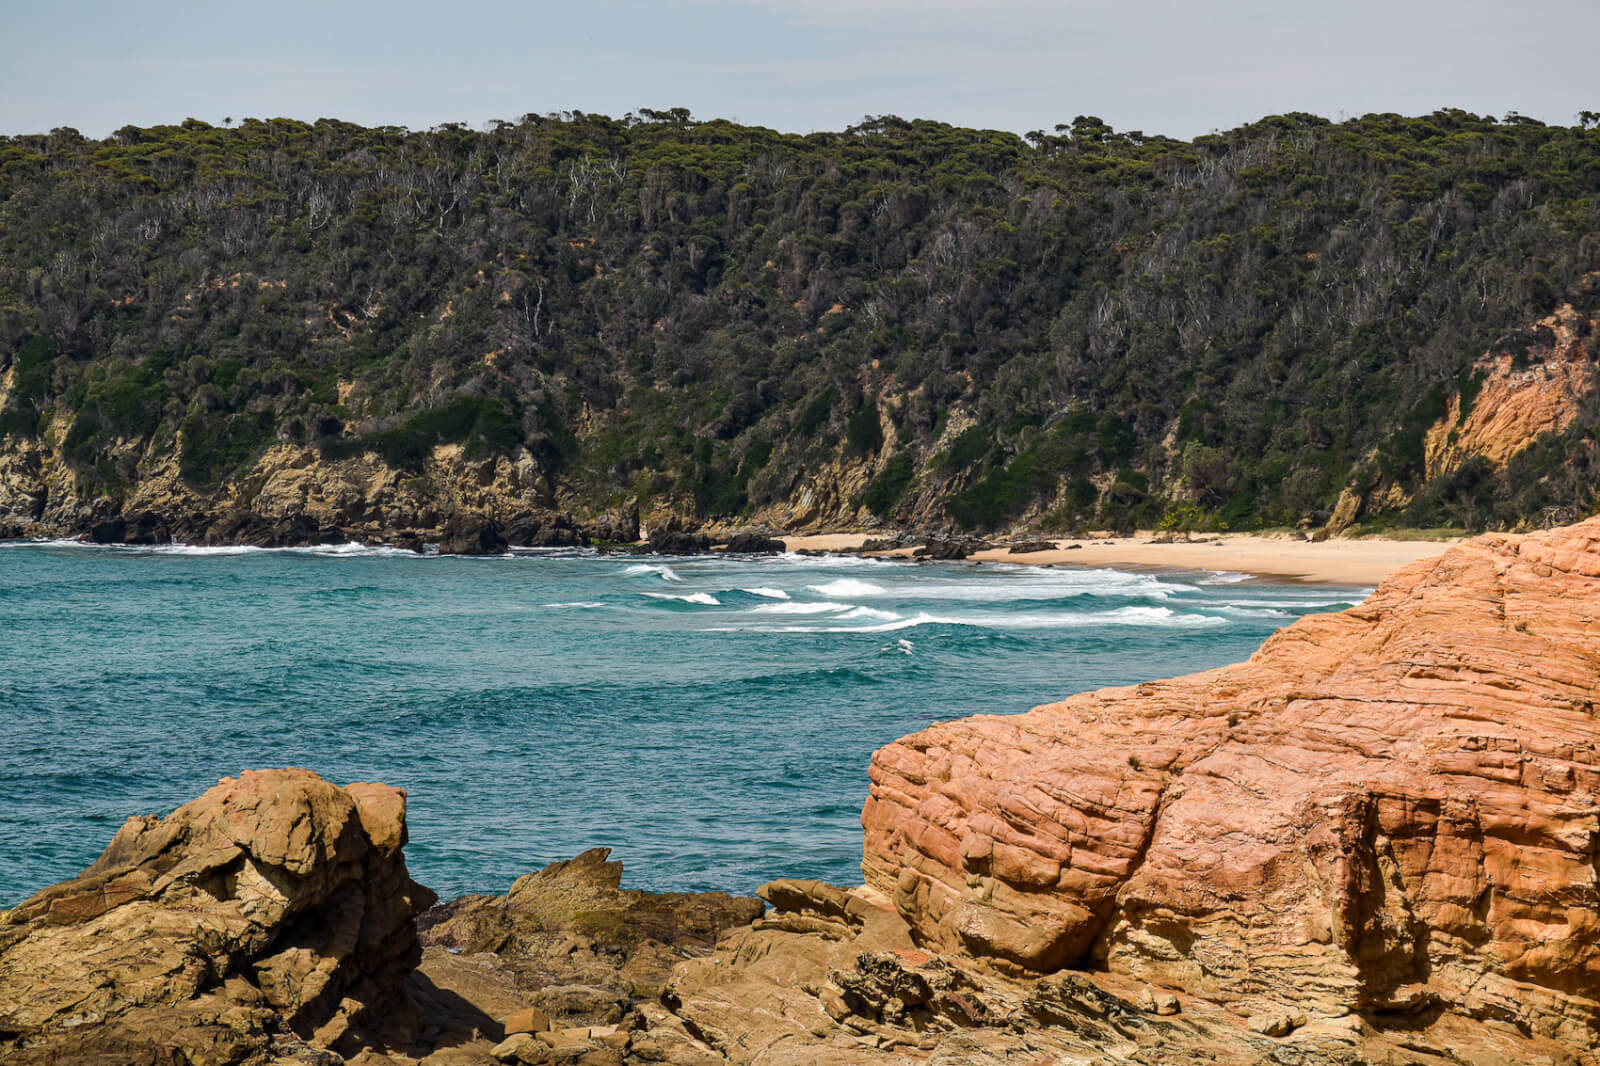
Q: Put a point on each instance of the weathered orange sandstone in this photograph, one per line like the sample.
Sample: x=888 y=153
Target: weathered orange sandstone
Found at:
x=1394 y=807
x=1515 y=404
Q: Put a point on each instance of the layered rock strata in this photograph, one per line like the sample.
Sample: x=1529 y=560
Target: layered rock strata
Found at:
x=272 y=919
x=833 y=977
x=1390 y=809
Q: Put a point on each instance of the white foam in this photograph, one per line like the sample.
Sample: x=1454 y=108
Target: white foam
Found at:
x=831 y=562
x=704 y=599
x=800 y=607
x=1147 y=617
x=1255 y=612
x=847 y=586
x=1299 y=605
x=905 y=645
x=666 y=573
x=1225 y=577
x=870 y=612
x=1047 y=585
x=350 y=549
x=769 y=593
x=585 y=605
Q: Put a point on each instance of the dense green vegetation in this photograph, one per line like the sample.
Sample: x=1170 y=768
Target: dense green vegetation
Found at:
x=1131 y=329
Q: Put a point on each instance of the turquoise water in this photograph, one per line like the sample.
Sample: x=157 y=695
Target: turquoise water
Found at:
x=710 y=719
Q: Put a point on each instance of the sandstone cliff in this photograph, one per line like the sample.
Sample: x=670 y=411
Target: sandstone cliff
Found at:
x=1517 y=398
x=1389 y=809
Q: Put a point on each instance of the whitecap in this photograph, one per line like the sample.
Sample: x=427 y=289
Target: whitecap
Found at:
x=1148 y=617
x=800 y=607
x=847 y=586
x=769 y=593
x=351 y=549
x=905 y=645
x=585 y=605
x=704 y=599
x=666 y=573
x=870 y=612
x=1254 y=612
x=1225 y=577
x=1298 y=605
x=882 y=627
x=1048 y=585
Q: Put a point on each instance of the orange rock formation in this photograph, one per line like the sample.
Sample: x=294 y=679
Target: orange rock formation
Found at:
x=1516 y=404
x=1390 y=808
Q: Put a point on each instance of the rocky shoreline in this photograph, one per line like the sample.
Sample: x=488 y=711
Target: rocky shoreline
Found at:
x=1376 y=841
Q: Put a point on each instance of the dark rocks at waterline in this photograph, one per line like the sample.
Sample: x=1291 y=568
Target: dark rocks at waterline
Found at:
x=953 y=548
x=410 y=541
x=614 y=527
x=678 y=543
x=894 y=542
x=246 y=527
x=546 y=530
x=471 y=535
x=750 y=543
x=145 y=528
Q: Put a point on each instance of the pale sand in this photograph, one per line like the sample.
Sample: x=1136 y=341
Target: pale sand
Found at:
x=1364 y=561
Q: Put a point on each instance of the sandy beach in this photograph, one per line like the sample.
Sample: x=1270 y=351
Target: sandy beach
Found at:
x=1338 y=561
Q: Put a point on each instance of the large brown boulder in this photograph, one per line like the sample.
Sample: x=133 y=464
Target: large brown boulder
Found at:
x=273 y=916
x=1391 y=809
x=586 y=949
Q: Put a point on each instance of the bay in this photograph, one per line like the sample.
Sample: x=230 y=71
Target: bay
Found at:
x=710 y=719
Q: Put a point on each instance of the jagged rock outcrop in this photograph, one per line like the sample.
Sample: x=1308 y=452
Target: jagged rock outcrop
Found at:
x=1518 y=397
x=752 y=542
x=833 y=977
x=471 y=534
x=568 y=952
x=269 y=920
x=1391 y=809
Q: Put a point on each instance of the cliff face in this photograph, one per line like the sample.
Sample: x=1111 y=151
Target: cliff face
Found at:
x=1517 y=399
x=292 y=495
x=1391 y=808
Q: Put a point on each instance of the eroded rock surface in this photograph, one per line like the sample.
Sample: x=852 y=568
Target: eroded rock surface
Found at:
x=571 y=952
x=272 y=919
x=1391 y=810
x=1517 y=398
x=833 y=977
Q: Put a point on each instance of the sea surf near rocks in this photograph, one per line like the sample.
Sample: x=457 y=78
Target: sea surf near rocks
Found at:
x=1375 y=838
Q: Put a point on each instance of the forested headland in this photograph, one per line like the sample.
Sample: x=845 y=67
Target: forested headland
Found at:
x=951 y=327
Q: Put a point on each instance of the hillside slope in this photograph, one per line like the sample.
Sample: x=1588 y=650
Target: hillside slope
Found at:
x=904 y=322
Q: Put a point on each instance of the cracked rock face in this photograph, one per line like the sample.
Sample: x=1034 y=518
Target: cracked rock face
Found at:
x=1393 y=808
x=272 y=917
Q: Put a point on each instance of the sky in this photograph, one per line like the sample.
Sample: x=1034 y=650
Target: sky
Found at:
x=1159 y=66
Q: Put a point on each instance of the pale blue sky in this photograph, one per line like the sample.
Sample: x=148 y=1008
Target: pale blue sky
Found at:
x=1156 y=65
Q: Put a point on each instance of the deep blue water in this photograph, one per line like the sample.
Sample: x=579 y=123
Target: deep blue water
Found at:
x=710 y=719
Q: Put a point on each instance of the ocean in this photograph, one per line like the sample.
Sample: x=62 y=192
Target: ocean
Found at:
x=710 y=719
